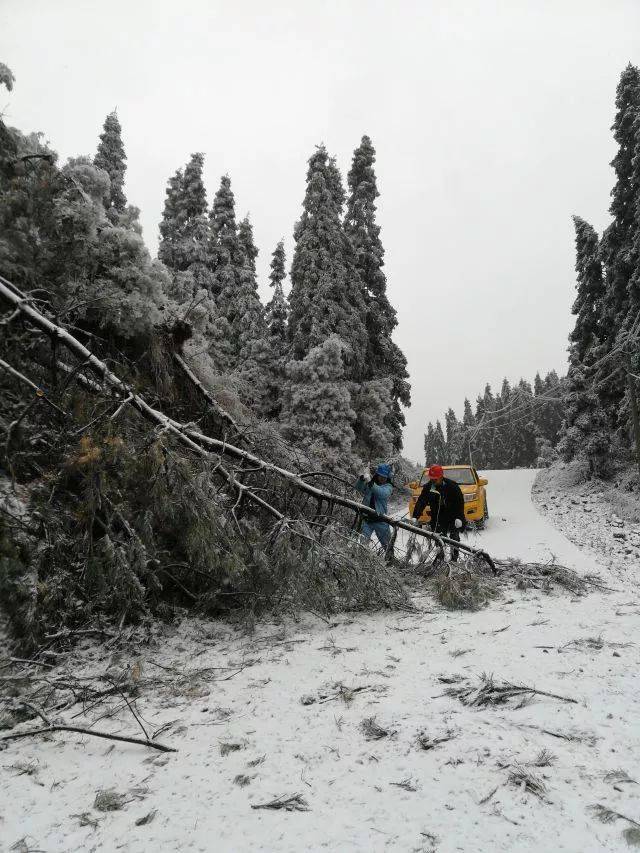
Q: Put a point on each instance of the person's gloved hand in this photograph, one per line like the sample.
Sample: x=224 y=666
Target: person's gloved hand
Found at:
x=458 y=524
x=366 y=474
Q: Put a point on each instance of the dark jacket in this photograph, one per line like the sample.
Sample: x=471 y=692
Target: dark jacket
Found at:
x=445 y=502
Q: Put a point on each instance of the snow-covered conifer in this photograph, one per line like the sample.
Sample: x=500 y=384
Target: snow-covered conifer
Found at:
x=439 y=446
x=327 y=295
x=384 y=357
x=111 y=158
x=247 y=244
x=234 y=282
x=317 y=414
x=617 y=247
x=276 y=314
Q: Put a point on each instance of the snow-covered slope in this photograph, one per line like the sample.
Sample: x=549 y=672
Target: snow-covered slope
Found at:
x=388 y=794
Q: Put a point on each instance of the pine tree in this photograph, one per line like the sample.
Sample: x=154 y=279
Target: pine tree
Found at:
x=225 y=252
x=588 y=305
x=503 y=428
x=247 y=244
x=234 y=284
x=276 y=315
x=429 y=444
x=317 y=414
x=170 y=236
x=618 y=249
x=184 y=229
x=584 y=426
x=485 y=428
x=384 y=357
x=453 y=445
x=277 y=310
x=111 y=158
x=439 y=448
x=549 y=408
x=466 y=431
x=372 y=400
x=327 y=295
x=523 y=437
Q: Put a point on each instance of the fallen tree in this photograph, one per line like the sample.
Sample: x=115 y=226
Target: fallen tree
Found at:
x=213 y=448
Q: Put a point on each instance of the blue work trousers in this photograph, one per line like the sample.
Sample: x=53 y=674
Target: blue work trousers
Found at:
x=380 y=528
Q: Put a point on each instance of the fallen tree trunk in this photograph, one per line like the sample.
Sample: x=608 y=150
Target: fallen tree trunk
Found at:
x=208 y=396
x=204 y=445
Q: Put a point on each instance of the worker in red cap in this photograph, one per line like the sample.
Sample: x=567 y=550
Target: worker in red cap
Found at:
x=446 y=506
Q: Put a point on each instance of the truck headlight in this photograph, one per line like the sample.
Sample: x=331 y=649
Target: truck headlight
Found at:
x=471 y=496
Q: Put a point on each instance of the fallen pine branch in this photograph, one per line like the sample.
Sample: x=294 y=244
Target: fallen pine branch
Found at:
x=607 y=815
x=106 y=735
x=294 y=803
x=491 y=692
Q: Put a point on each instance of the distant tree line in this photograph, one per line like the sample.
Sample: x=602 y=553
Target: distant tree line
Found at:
x=515 y=428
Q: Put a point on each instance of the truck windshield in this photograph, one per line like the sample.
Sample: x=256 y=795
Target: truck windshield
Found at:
x=461 y=476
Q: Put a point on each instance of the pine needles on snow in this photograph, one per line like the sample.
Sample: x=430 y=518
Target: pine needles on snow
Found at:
x=373 y=731
x=522 y=778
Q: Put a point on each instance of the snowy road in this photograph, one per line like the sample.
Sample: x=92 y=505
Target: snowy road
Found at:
x=516 y=528
x=363 y=795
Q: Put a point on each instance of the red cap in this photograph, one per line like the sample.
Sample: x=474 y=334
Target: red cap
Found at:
x=435 y=472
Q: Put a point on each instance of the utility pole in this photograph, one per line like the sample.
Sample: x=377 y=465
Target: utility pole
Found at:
x=634 y=408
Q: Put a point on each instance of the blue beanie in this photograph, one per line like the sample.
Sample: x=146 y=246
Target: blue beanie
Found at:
x=384 y=470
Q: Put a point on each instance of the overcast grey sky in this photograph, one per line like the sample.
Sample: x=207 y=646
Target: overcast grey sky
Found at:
x=490 y=119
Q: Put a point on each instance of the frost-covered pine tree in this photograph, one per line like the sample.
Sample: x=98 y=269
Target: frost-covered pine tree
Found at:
x=549 y=408
x=439 y=448
x=327 y=295
x=277 y=310
x=617 y=248
x=234 y=282
x=126 y=292
x=588 y=305
x=276 y=315
x=384 y=357
x=523 y=446
x=585 y=431
x=170 y=235
x=184 y=230
x=453 y=444
x=111 y=158
x=327 y=298
x=372 y=401
x=466 y=432
x=225 y=252
x=247 y=244
x=485 y=429
x=429 y=440
x=317 y=414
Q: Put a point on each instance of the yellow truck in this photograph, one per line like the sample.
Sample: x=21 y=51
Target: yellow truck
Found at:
x=472 y=486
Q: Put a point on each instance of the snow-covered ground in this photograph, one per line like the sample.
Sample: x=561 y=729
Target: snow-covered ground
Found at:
x=232 y=703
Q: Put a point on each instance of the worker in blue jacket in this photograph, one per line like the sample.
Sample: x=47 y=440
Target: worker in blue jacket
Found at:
x=376 y=492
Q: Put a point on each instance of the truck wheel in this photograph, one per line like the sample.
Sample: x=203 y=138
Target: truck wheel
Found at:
x=480 y=524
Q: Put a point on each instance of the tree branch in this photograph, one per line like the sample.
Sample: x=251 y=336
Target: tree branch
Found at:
x=62 y=728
